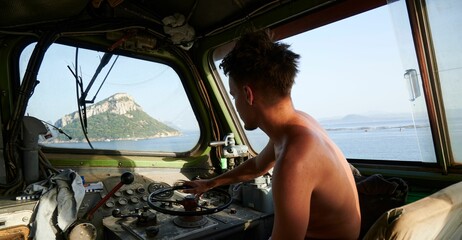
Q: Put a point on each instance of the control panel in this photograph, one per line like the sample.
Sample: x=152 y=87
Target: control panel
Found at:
x=230 y=223
x=129 y=213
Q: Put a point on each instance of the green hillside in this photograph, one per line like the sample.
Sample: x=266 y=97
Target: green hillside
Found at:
x=108 y=125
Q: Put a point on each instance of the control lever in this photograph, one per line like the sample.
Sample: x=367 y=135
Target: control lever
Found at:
x=145 y=217
x=125 y=178
x=230 y=150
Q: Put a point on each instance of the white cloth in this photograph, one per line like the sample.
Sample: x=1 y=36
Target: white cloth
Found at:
x=181 y=33
x=58 y=207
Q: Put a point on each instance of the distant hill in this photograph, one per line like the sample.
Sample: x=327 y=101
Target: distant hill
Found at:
x=117 y=117
x=355 y=117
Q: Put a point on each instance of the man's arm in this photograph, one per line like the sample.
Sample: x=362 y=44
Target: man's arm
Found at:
x=293 y=183
x=246 y=171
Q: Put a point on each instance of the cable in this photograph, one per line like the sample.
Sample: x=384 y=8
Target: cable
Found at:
x=104 y=80
x=14 y=124
x=215 y=123
x=58 y=129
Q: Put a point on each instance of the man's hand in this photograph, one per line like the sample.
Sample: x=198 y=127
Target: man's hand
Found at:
x=198 y=186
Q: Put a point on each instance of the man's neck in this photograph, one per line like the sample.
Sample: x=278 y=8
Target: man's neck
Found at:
x=276 y=117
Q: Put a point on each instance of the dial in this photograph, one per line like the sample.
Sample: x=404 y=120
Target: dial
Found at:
x=160 y=185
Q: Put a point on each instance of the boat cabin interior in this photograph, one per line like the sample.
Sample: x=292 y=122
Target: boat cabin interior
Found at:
x=108 y=106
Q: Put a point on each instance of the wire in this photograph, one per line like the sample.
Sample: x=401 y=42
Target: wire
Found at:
x=104 y=80
x=45 y=162
x=214 y=121
x=59 y=129
x=14 y=124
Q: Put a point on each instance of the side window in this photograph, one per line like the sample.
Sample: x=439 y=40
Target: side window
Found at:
x=132 y=104
x=445 y=23
x=352 y=81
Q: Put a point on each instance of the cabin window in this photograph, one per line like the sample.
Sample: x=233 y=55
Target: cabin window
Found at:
x=133 y=105
x=445 y=23
x=352 y=80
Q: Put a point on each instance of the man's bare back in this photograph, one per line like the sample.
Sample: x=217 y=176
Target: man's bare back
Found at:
x=325 y=175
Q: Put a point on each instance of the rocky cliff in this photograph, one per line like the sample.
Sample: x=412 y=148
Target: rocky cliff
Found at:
x=117 y=117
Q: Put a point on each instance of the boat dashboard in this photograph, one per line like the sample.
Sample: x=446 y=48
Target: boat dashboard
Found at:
x=147 y=208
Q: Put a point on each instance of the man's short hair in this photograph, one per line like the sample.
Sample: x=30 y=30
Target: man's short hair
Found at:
x=256 y=59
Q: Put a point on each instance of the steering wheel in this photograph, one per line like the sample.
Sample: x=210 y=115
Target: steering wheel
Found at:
x=209 y=202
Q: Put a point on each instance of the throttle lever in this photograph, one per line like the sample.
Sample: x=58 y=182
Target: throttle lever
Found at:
x=144 y=218
x=118 y=214
x=125 y=178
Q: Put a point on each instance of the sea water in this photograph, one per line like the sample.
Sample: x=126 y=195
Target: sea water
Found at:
x=385 y=140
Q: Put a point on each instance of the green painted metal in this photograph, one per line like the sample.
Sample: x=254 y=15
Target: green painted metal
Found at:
x=123 y=162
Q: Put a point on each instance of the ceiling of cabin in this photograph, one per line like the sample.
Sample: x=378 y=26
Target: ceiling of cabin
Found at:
x=181 y=22
x=203 y=15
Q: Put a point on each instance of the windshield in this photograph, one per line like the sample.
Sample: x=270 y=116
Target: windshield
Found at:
x=132 y=104
x=353 y=82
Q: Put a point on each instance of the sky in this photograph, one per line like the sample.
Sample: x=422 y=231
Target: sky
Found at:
x=350 y=67
x=353 y=66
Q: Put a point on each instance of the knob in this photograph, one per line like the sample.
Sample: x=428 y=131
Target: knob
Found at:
x=116 y=213
x=129 y=192
x=122 y=202
x=109 y=204
x=141 y=190
x=127 y=178
x=152 y=231
x=134 y=200
x=232 y=211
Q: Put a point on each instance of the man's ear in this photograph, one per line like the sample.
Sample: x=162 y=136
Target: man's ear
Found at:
x=249 y=94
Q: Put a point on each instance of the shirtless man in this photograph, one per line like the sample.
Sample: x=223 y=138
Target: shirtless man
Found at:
x=314 y=193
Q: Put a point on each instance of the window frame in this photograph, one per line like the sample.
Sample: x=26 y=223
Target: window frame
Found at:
x=161 y=57
x=431 y=84
x=416 y=13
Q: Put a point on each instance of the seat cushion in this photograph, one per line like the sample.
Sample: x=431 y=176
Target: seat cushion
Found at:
x=377 y=195
x=438 y=216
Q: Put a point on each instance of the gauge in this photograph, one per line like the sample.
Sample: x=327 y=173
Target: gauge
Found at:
x=160 y=185
x=156 y=186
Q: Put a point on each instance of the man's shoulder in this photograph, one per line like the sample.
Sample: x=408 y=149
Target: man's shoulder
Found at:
x=308 y=148
x=303 y=140
x=300 y=152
